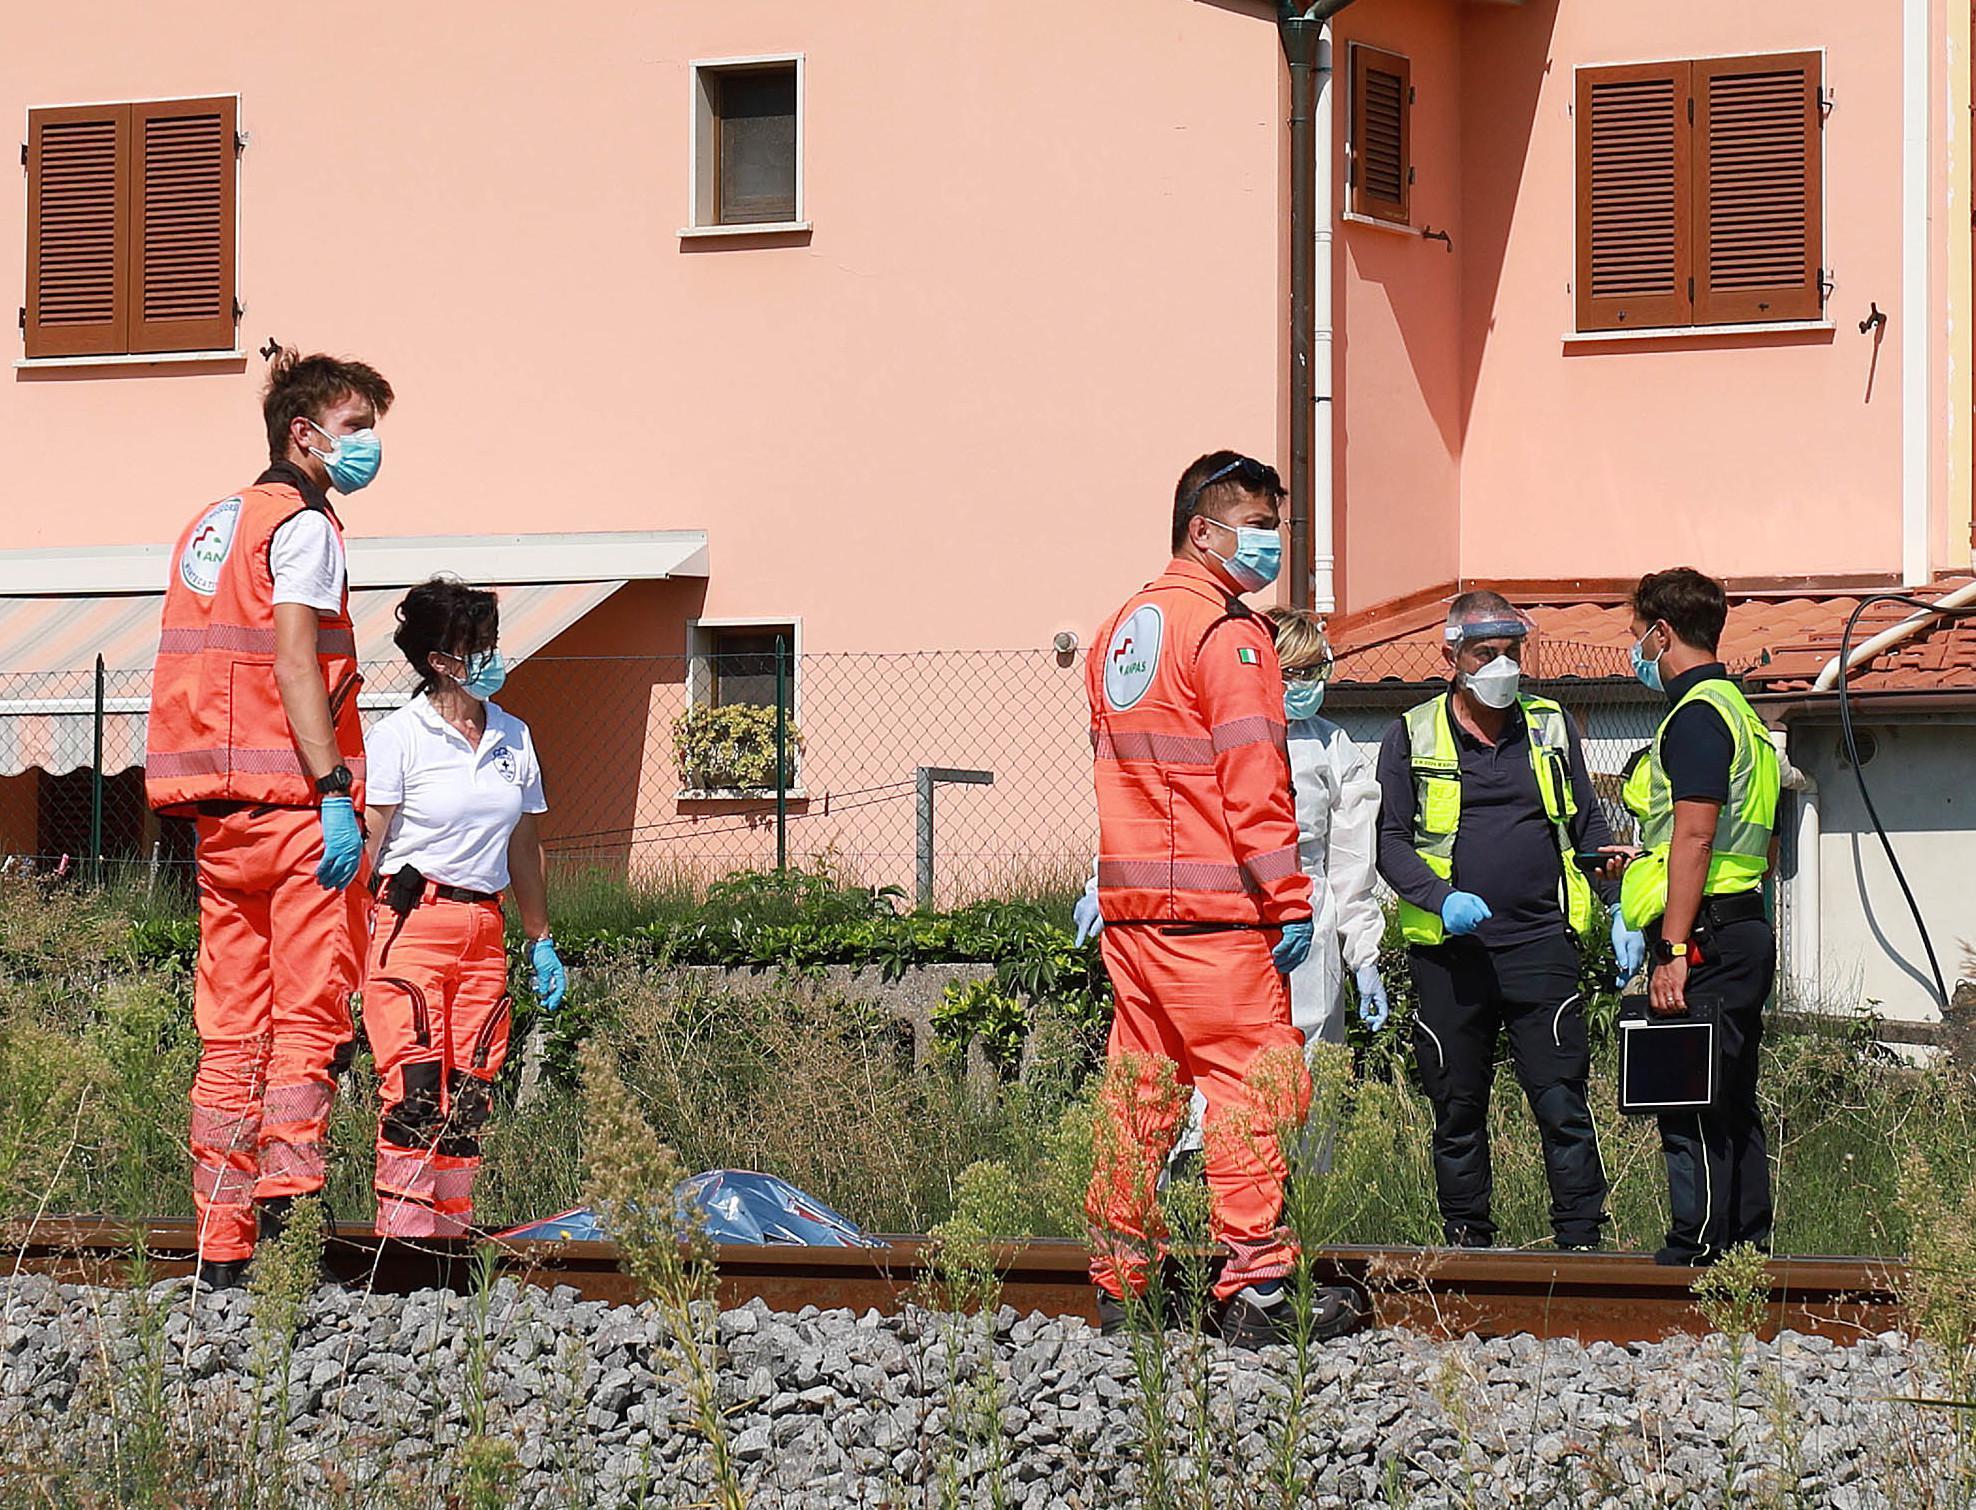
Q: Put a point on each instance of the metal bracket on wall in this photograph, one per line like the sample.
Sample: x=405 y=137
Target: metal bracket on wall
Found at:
x=1876 y=320
x=271 y=350
x=1428 y=233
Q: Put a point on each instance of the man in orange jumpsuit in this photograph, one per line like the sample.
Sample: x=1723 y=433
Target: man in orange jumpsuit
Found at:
x=255 y=736
x=1205 y=905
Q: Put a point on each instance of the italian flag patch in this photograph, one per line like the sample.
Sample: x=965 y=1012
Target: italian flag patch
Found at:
x=1247 y=656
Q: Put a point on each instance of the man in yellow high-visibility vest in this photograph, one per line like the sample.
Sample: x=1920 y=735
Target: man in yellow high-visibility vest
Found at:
x=1709 y=831
x=1486 y=812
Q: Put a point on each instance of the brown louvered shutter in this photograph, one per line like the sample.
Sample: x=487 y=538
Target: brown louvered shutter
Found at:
x=181 y=246
x=78 y=214
x=1634 y=197
x=1757 y=189
x=1382 y=145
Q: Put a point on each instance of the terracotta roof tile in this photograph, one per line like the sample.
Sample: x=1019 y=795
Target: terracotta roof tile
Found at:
x=1777 y=644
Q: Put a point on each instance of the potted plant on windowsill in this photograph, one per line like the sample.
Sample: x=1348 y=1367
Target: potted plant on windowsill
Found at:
x=729 y=751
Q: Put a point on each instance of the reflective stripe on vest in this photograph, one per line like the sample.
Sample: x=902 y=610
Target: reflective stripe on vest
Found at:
x=1165 y=851
x=1740 y=853
x=1436 y=760
x=218 y=729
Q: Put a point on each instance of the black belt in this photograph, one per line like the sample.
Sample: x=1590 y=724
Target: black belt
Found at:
x=1736 y=907
x=461 y=894
x=443 y=893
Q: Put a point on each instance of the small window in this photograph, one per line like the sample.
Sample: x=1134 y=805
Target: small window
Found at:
x=1379 y=152
x=748 y=143
x=130 y=228
x=1700 y=193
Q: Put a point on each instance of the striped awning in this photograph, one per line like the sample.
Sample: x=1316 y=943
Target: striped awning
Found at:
x=49 y=646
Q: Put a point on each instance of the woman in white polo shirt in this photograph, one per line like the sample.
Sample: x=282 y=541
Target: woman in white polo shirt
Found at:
x=454 y=794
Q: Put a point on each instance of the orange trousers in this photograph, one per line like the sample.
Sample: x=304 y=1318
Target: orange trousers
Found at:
x=278 y=959
x=436 y=1012
x=1206 y=1010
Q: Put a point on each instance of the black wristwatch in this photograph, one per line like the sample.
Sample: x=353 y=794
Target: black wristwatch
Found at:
x=336 y=784
x=1667 y=954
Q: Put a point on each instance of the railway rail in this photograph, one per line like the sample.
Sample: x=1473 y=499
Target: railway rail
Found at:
x=1612 y=1297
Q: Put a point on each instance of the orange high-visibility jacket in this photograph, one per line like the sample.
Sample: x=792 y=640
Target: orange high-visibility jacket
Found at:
x=1196 y=823
x=218 y=730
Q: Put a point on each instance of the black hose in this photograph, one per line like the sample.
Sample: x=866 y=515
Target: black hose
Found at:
x=1859 y=771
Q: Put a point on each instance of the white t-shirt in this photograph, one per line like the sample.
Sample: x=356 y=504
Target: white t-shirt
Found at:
x=306 y=556
x=457 y=806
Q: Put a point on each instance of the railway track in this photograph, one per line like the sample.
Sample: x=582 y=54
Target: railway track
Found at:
x=1612 y=1297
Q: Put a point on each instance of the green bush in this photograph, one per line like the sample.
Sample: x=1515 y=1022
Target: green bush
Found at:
x=731 y=748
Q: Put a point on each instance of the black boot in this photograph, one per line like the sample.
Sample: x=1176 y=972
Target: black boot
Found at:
x=1112 y=1317
x=272 y=1215
x=225 y=1274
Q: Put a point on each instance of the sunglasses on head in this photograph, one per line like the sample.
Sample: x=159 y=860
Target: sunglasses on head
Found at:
x=1255 y=476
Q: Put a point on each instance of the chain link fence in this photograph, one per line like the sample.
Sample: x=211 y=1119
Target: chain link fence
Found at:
x=952 y=775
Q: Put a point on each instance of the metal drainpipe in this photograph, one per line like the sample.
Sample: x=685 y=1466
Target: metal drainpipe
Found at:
x=1302 y=31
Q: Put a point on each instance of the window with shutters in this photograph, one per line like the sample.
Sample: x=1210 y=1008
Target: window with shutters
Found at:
x=130 y=228
x=1700 y=193
x=748 y=144
x=1379 y=147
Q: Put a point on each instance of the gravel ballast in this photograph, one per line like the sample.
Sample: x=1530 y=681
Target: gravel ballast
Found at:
x=582 y=1404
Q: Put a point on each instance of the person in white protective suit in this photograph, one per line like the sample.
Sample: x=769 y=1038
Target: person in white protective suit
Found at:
x=1337 y=832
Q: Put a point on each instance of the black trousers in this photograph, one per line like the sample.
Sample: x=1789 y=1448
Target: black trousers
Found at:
x=1467 y=994
x=1718 y=1162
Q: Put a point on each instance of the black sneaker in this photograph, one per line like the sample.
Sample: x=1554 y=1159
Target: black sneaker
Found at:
x=1263 y=1315
x=224 y=1274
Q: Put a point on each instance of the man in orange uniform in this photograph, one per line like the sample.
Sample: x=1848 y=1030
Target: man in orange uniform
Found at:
x=1204 y=902
x=255 y=736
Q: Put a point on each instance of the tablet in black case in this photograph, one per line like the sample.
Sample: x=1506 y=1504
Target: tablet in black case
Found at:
x=1666 y=1064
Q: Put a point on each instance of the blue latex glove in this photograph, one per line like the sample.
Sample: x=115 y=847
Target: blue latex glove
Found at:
x=1463 y=913
x=551 y=980
x=1373 y=1010
x=342 y=844
x=1629 y=947
x=1294 y=947
x=1090 y=922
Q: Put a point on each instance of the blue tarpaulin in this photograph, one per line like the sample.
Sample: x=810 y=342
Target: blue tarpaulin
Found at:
x=737 y=1206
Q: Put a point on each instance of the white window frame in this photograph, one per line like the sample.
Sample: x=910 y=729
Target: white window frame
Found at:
x=699 y=160
x=700 y=689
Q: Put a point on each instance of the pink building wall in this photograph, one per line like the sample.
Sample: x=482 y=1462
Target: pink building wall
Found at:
x=1044 y=274
x=1399 y=300
x=1757 y=455
x=1047 y=267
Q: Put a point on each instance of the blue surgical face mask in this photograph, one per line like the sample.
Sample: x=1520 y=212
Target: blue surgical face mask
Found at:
x=1258 y=555
x=1302 y=699
x=352 y=460
x=1648 y=671
x=485 y=676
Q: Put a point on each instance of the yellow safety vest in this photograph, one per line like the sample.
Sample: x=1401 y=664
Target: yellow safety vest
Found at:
x=1437 y=806
x=1741 y=850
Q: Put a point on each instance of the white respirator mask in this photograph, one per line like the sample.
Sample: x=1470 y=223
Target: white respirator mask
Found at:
x=1496 y=684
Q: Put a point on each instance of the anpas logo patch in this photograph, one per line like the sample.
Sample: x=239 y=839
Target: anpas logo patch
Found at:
x=1133 y=656
x=507 y=765
x=210 y=545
